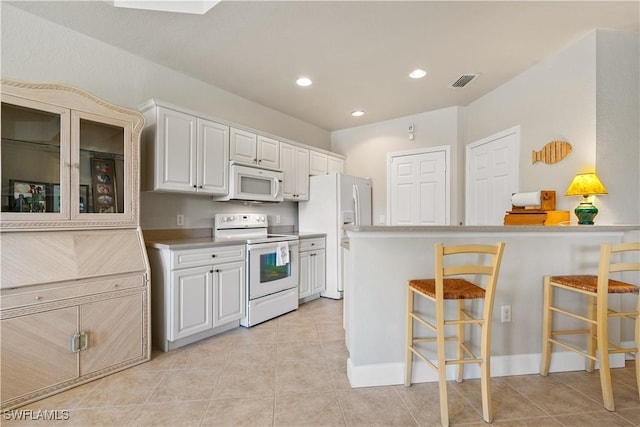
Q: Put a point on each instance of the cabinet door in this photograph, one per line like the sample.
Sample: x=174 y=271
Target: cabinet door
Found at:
x=319 y=267
x=335 y=164
x=302 y=173
x=317 y=163
x=268 y=152
x=304 y=288
x=230 y=295
x=114 y=332
x=213 y=157
x=288 y=165
x=101 y=172
x=36 y=351
x=175 y=167
x=35 y=160
x=191 y=302
x=243 y=146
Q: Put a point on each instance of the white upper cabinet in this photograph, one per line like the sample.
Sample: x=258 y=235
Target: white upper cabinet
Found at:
x=252 y=149
x=317 y=163
x=322 y=163
x=295 y=168
x=335 y=164
x=185 y=153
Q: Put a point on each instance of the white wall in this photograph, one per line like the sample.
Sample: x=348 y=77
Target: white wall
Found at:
x=366 y=148
x=553 y=100
x=618 y=126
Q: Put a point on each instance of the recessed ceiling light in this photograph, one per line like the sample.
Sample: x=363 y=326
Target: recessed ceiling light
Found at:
x=417 y=73
x=357 y=113
x=304 y=81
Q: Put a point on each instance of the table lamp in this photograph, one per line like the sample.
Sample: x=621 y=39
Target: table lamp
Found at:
x=585 y=185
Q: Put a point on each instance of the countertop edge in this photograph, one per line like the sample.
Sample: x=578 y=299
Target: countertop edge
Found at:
x=489 y=228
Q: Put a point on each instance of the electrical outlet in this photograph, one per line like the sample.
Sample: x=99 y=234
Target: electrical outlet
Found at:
x=277 y=219
x=505 y=313
x=180 y=220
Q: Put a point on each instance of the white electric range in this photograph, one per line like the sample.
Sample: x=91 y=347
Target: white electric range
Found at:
x=271 y=266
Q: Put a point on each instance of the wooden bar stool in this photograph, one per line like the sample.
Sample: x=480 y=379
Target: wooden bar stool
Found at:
x=597 y=289
x=461 y=261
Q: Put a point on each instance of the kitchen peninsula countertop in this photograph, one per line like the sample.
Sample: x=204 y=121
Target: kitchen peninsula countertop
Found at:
x=490 y=228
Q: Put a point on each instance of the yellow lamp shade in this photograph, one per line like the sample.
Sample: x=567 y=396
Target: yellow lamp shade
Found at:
x=585 y=184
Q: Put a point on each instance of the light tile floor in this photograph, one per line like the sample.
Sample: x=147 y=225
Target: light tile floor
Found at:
x=291 y=371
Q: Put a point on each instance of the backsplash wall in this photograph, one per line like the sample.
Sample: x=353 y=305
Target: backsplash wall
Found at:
x=159 y=210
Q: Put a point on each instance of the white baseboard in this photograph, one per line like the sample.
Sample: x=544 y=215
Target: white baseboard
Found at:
x=520 y=364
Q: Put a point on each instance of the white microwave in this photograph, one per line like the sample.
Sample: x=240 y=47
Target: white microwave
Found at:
x=253 y=184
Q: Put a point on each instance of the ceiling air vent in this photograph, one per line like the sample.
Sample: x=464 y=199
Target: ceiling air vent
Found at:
x=464 y=80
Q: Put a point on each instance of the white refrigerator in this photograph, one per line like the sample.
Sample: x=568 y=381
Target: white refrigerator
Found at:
x=334 y=200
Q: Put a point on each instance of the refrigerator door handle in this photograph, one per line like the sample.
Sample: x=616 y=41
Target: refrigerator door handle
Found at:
x=356 y=202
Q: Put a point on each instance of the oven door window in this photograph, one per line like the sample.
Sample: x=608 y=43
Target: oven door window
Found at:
x=269 y=271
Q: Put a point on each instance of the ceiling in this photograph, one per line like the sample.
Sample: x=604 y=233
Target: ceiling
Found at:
x=358 y=54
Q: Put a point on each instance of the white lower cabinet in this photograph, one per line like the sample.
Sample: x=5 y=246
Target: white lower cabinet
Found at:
x=312 y=268
x=196 y=293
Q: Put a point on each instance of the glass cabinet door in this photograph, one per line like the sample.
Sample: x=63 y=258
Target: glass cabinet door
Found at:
x=35 y=159
x=100 y=181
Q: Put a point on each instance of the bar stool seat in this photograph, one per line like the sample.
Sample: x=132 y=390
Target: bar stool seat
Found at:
x=596 y=315
x=453 y=265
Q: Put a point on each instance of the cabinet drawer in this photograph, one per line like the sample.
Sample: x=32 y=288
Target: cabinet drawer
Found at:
x=17 y=297
x=208 y=256
x=312 y=244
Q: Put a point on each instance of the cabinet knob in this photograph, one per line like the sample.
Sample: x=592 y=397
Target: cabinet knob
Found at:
x=38 y=298
x=213 y=255
x=313 y=244
x=116 y=285
x=200 y=186
x=195 y=186
x=210 y=271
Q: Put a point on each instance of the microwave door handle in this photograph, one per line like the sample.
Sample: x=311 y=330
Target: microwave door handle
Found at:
x=356 y=202
x=277 y=188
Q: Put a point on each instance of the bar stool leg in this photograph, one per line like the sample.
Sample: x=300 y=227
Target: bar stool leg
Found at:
x=592 y=343
x=485 y=367
x=408 y=363
x=637 y=337
x=461 y=339
x=603 y=349
x=442 y=364
x=547 y=321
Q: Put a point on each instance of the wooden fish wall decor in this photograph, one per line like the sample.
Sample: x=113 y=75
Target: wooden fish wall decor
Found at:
x=552 y=152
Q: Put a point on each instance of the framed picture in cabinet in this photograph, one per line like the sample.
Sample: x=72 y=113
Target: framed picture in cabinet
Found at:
x=28 y=196
x=103 y=185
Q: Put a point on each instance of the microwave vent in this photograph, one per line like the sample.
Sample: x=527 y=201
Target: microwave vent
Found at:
x=464 y=80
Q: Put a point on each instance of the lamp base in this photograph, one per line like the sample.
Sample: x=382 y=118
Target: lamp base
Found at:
x=586 y=212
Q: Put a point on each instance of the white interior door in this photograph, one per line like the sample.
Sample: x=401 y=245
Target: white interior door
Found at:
x=492 y=176
x=418 y=187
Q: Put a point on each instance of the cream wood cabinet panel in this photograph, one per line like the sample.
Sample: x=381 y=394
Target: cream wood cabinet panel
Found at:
x=69 y=159
x=335 y=164
x=295 y=168
x=252 y=149
x=184 y=153
x=312 y=267
x=317 y=163
x=197 y=293
x=36 y=357
x=61 y=342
